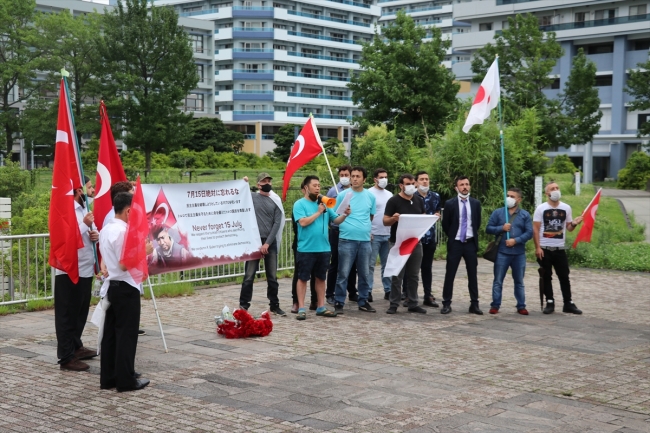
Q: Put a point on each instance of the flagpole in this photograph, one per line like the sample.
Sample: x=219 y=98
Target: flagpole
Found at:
x=503 y=157
x=155 y=307
x=324 y=153
x=64 y=75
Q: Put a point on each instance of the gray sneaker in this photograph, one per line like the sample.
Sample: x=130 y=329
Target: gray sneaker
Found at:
x=367 y=308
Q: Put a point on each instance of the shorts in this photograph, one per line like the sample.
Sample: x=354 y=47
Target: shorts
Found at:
x=308 y=264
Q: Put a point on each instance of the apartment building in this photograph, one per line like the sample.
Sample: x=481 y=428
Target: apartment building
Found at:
x=614 y=34
x=276 y=62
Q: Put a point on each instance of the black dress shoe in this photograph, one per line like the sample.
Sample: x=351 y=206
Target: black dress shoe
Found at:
x=571 y=308
x=137 y=375
x=475 y=310
x=139 y=384
x=353 y=297
x=109 y=385
x=387 y=296
x=430 y=302
x=445 y=309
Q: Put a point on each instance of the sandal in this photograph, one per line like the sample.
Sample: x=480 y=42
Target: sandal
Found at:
x=327 y=313
x=302 y=315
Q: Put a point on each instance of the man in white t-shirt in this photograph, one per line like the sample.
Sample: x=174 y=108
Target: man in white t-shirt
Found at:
x=550 y=223
x=380 y=232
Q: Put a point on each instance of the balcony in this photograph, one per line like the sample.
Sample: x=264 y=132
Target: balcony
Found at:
x=253 y=74
x=252 y=12
x=252 y=115
x=252 y=53
x=511 y=2
x=316 y=76
x=252 y=95
x=318 y=96
x=321 y=37
x=321 y=17
x=318 y=56
x=201 y=12
x=633 y=58
x=596 y=23
x=351 y=3
x=252 y=32
x=412 y=10
x=319 y=116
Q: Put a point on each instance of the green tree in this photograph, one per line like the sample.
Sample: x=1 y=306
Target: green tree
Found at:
x=562 y=164
x=38 y=125
x=13 y=180
x=334 y=147
x=636 y=173
x=148 y=70
x=638 y=85
x=576 y=110
x=283 y=139
x=184 y=158
x=211 y=132
x=527 y=56
x=23 y=52
x=401 y=82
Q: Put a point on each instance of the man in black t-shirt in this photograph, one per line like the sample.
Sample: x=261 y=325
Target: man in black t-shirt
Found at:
x=405 y=203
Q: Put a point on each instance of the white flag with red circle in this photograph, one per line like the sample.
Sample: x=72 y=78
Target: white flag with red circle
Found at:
x=409 y=231
x=486 y=98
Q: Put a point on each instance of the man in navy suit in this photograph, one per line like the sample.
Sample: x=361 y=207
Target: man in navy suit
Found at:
x=461 y=221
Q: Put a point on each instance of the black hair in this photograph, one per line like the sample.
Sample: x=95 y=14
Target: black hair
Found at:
x=420 y=173
x=378 y=171
x=121 y=201
x=361 y=169
x=459 y=178
x=308 y=179
x=157 y=230
x=345 y=168
x=405 y=176
x=517 y=190
x=118 y=187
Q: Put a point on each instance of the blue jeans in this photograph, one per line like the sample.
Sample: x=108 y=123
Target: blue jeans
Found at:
x=379 y=247
x=349 y=253
x=518 y=264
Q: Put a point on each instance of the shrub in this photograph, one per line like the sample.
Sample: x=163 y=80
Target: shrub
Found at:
x=636 y=172
x=562 y=164
x=13 y=180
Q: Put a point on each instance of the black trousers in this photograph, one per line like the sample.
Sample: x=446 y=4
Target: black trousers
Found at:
x=332 y=272
x=120 y=336
x=556 y=260
x=294 y=283
x=428 y=251
x=455 y=251
x=71 y=304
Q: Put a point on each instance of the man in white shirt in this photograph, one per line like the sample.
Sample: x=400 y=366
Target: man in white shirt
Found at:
x=72 y=301
x=550 y=223
x=380 y=232
x=120 y=337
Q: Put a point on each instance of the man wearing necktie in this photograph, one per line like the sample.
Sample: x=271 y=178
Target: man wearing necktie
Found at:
x=461 y=221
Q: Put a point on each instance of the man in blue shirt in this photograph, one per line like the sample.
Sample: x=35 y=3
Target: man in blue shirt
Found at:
x=354 y=241
x=313 y=255
x=512 y=250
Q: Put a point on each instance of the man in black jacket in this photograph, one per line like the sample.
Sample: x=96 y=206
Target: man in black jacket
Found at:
x=461 y=221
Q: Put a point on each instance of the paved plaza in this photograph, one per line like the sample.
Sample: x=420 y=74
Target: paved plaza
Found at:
x=361 y=372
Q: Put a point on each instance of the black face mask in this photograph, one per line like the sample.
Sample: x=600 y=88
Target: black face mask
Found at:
x=266 y=187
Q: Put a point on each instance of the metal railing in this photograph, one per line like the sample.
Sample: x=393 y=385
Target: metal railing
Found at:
x=25 y=274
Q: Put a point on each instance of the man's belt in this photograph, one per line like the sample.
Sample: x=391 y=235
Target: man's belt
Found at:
x=553 y=248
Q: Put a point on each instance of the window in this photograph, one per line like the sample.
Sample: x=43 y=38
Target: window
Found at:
x=224 y=66
x=484 y=27
x=338 y=93
x=336 y=55
x=337 y=36
x=545 y=20
x=603 y=80
x=643 y=118
x=194 y=102
x=640 y=45
x=310 y=91
x=252 y=46
x=638 y=10
x=279 y=47
x=281 y=108
x=225 y=26
x=311 y=11
x=555 y=84
x=279 y=5
x=280 y=88
x=196 y=42
x=257 y=87
x=254 y=107
x=199 y=71
x=310 y=52
x=602 y=48
x=193 y=9
x=505 y=24
x=253 y=67
x=253 y=25
x=311 y=31
x=310 y=73
x=605 y=14
x=279 y=26
x=338 y=17
x=279 y=68
x=225 y=108
x=580 y=17
x=337 y=112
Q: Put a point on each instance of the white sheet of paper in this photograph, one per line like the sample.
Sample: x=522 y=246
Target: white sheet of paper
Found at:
x=344 y=204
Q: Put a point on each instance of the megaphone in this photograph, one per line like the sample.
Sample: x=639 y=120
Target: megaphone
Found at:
x=327 y=201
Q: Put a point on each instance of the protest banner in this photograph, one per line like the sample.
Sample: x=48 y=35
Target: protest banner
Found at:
x=200 y=224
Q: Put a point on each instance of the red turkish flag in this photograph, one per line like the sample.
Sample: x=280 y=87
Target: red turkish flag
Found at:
x=134 y=254
x=161 y=213
x=65 y=237
x=409 y=231
x=307 y=147
x=109 y=170
x=589 y=219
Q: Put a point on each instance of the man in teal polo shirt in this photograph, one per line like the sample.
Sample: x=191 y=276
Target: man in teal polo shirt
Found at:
x=354 y=241
x=313 y=255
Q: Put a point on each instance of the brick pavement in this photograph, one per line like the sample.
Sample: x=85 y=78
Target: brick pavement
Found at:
x=357 y=373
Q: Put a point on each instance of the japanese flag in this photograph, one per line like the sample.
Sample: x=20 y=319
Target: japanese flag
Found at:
x=486 y=98
x=409 y=231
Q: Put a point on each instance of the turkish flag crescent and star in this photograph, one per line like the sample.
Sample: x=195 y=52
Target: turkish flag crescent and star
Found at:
x=589 y=218
x=307 y=147
x=65 y=237
x=109 y=170
x=486 y=98
x=134 y=254
x=161 y=213
x=409 y=231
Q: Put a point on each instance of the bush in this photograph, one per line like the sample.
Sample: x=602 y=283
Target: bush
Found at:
x=636 y=172
x=13 y=180
x=563 y=164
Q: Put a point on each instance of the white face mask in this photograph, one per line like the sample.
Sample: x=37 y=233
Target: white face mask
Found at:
x=555 y=195
x=463 y=196
x=410 y=189
x=423 y=189
x=381 y=183
x=511 y=202
x=345 y=181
